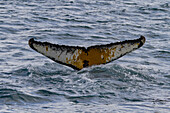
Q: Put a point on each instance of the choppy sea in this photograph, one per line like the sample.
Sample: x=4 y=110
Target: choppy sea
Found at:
x=136 y=83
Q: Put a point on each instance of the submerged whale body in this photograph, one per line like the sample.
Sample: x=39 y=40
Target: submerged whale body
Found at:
x=81 y=57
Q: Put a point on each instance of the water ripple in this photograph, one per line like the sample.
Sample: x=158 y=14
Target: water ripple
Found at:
x=10 y=96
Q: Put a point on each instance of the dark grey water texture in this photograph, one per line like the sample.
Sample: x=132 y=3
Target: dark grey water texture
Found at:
x=136 y=83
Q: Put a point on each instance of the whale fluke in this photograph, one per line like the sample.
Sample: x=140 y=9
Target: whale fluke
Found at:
x=81 y=57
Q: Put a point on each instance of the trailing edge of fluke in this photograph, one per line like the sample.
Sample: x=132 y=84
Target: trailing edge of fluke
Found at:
x=81 y=57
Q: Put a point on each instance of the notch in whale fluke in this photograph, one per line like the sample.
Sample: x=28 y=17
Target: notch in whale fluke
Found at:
x=81 y=57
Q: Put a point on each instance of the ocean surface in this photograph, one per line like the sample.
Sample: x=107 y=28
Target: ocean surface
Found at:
x=136 y=83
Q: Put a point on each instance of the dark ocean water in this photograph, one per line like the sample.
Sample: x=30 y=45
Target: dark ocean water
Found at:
x=136 y=83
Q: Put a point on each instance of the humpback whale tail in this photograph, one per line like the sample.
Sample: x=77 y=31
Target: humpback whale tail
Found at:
x=80 y=57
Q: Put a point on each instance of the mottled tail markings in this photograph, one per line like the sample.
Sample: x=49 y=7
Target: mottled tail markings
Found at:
x=80 y=57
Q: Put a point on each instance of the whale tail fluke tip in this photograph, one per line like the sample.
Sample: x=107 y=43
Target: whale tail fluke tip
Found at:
x=143 y=39
x=30 y=42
